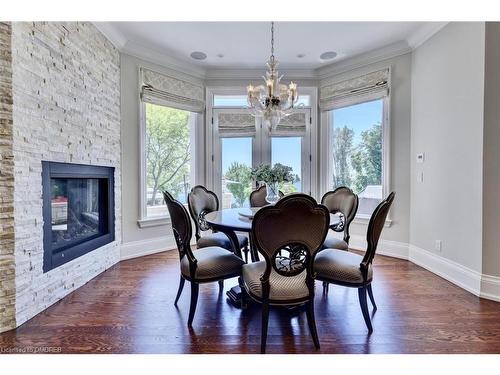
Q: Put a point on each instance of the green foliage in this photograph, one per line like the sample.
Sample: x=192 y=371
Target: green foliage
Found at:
x=278 y=173
x=239 y=182
x=342 y=148
x=367 y=159
x=167 y=149
x=361 y=165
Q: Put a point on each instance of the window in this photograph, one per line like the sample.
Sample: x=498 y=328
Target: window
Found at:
x=169 y=161
x=288 y=151
x=236 y=169
x=356 y=138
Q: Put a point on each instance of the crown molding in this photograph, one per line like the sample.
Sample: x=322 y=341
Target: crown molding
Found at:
x=361 y=60
x=257 y=73
x=138 y=50
x=109 y=31
x=425 y=32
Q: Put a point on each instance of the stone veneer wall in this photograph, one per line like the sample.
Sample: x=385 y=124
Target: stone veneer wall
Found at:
x=7 y=265
x=66 y=108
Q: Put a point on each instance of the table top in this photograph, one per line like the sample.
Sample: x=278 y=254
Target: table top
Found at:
x=238 y=219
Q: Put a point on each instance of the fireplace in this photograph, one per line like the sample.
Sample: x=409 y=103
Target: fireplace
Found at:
x=78 y=210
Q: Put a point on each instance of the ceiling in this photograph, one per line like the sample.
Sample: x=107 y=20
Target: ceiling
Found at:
x=247 y=44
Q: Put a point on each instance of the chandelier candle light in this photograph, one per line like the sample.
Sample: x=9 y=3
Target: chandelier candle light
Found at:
x=275 y=100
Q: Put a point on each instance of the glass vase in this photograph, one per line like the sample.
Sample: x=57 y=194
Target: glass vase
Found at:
x=272 y=195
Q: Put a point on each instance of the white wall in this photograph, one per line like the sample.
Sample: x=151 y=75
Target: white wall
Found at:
x=447 y=125
x=491 y=153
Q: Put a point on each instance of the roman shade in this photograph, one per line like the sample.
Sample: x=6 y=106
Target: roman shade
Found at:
x=158 y=88
x=293 y=125
x=364 y=88
x=235 y=124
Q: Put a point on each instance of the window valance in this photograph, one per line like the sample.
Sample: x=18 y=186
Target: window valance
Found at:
x=367 y=87
x=158 y=88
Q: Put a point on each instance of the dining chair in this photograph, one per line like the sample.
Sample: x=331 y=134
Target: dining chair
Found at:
x=344 y=202
x=341 y=201
x=258 y=197
x=352 y=270
x=204 y=265
x=201 y=202
x=288 y=235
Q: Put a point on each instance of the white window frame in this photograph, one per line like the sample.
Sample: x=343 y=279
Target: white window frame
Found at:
x=145 y=221
x=211 y=147
x=326 y=163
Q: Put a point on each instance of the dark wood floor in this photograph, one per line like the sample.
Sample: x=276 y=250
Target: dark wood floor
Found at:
x=129 y=309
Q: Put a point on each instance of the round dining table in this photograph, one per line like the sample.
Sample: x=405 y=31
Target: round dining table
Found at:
x=232 y=220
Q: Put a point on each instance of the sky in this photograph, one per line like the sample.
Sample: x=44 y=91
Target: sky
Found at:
x=359 y=117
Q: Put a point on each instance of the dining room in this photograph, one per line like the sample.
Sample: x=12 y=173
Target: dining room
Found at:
x=301 y=187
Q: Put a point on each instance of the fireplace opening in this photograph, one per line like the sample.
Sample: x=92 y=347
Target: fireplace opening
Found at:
x=78 y=210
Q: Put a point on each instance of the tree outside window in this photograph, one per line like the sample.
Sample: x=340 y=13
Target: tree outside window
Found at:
x=356 y=141
x=168 y=155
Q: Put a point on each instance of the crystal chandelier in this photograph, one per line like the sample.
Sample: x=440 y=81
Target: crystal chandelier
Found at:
x=273 y=101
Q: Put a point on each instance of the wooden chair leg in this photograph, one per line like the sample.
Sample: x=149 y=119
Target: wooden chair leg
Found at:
x=265 y=323
x=311 y=321
x=194 y=299
x=370 y=294
x=179 y=291
x=221 y=286
x=325 y=287
x=364 y=308
x=245 y=250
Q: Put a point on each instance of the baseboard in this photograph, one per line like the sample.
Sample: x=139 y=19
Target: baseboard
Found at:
x=455 y=273
x=140 y=248
x=490 y=287
x=393 y=249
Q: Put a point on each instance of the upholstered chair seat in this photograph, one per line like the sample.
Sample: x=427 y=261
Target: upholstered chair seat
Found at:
x=221 y=240
x=332 y=242
x=341 y=266
x=213 y=263
x=283 y=288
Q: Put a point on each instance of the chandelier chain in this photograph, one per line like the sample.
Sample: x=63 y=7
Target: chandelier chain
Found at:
x=272 y=41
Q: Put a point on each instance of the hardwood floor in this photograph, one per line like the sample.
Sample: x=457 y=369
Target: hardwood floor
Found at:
x=129 y=309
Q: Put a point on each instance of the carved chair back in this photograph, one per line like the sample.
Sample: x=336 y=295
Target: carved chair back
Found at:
x=201 y=202
x=181 y=227
x=375 y=227
x=342 y=200
x=288 y=235
x=258 y=197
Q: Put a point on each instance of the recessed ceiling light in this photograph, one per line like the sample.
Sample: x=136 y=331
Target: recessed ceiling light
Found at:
x=197 y=55
x=329 y=55
x=220 y=55
x=301 y=55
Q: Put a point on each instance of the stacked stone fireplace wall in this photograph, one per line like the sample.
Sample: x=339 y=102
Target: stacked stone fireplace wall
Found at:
x=7 y=264
x=66 y=108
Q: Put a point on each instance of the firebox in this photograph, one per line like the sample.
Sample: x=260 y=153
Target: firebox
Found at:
x=78 y=210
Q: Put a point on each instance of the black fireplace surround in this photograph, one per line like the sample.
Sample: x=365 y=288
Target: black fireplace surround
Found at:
x=78 y=210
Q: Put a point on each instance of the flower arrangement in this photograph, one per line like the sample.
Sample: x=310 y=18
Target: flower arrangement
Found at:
x=272 y=175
